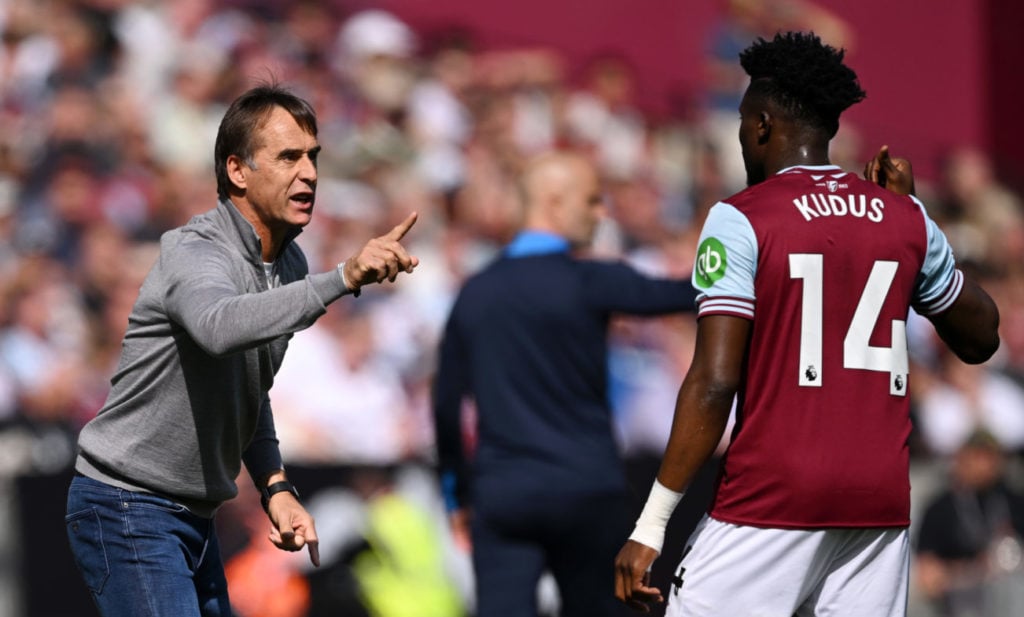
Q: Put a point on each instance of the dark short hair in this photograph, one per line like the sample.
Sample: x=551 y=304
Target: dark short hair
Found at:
x=804 y=76
x=246 y=114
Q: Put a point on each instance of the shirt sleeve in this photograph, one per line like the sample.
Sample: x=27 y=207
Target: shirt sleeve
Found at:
x=726 y=263
x=451 y=386
x=940 y=282
x=615 y=286
x=263 y=455
x=204 y=296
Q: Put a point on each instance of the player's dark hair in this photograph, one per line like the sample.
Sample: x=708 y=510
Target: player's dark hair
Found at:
x=804 y=76
x=236 y=135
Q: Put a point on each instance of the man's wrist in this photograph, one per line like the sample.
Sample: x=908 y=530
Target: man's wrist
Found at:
x=344 y=281
x=280 y=486
x=650 y=527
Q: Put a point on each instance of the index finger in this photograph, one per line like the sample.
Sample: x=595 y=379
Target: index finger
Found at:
x=886 y=161
x=883 y=154
x=314 y=552
x=878 y=167
x=400 y=230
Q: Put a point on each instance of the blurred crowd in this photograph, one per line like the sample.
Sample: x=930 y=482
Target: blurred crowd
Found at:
x=108 y=112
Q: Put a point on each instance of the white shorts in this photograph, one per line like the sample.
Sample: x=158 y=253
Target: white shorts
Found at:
x=731 y=570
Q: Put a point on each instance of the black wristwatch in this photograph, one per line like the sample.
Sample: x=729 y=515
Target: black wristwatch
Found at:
x=266 y=492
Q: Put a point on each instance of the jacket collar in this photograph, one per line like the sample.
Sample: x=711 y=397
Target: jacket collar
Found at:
x=533 y=242
x=246 y=233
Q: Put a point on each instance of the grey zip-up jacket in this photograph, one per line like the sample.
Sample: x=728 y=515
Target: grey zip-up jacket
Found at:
x=189 y=400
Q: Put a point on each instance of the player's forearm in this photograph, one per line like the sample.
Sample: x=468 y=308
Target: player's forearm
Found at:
x=700 y=419
x=971 y=326
x=702 y=413
x=705 y=398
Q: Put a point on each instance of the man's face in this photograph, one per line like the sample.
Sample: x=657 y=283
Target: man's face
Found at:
x=582 y=206
x=281 y=184
x=753 y=150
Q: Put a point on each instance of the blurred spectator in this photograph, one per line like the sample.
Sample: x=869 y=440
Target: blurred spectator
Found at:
x=43 y=344
x=86 y=47
x=740 y=23
x=401 y=570
x=183 y=123
x=529 y=85
x=375 y=51
x=1008 y=290
x=961 y=399
x=985 y=219
x=439 y=121
x=637 y=208
x=27 y=54
x=602 y=118
x=318 y=423
x=968 y=554
x=68 y=206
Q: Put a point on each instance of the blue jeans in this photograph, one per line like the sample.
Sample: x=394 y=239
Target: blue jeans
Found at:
x=144 y=556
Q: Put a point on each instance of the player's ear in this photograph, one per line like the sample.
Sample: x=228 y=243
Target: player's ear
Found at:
x=764 y=127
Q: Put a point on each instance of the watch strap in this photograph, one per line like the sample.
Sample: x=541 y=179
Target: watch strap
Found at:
x=281 y=486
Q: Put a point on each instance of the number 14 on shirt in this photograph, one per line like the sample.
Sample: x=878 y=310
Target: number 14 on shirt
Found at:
x=857 y=352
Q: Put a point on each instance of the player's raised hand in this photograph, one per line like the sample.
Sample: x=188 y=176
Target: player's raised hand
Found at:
x=632 y=576
x=382 y=258
x=893 y=173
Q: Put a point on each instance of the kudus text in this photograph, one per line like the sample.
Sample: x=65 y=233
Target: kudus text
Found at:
x=816 y=205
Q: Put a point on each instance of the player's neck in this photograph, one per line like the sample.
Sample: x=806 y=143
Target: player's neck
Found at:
x=804 y=154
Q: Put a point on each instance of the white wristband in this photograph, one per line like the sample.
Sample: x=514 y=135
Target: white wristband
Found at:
x=650 y=527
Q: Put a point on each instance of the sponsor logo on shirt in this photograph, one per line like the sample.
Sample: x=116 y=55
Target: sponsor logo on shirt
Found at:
x=711 y=262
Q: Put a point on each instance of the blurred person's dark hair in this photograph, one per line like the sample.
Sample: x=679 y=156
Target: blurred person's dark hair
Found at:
x=804 y=76
x=451 y=37
x=88 y=47
x=236 y=135
x=610 y=74
x=982 y=439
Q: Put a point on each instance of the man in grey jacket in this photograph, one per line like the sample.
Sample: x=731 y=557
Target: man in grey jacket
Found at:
x=189 y=400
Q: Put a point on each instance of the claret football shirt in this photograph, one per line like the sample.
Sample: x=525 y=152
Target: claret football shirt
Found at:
x=826 y=266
